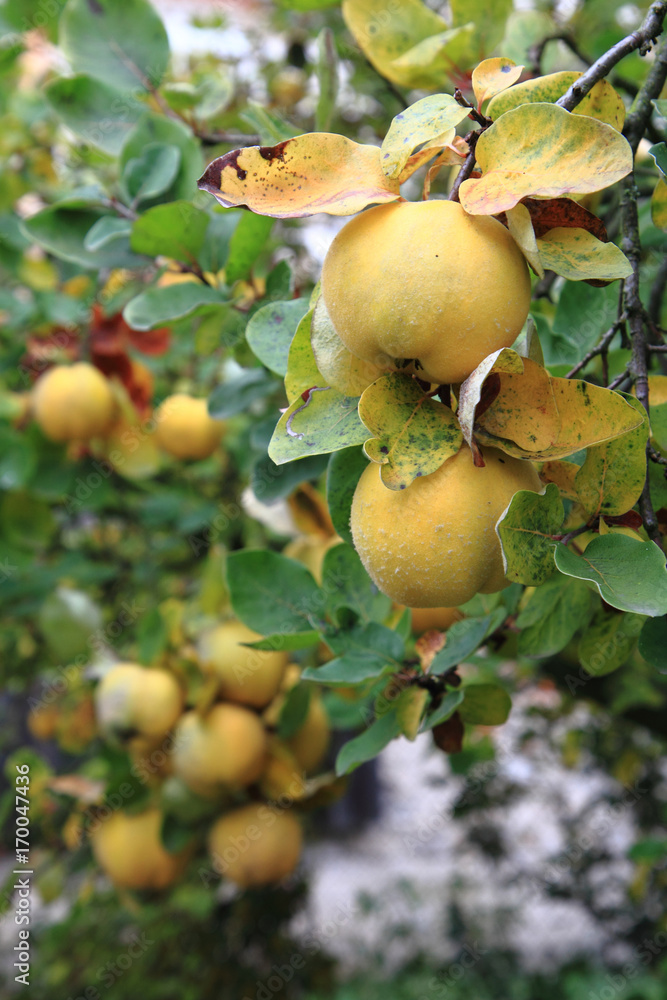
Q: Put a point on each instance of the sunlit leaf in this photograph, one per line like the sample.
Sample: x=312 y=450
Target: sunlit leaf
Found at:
x=319 y=421
x=524 y=411
x=302 y=371
x=520 y=226
x=563 y=475
x=611 y=479
x=316 y=172
x=525 y=531
x=427 y=120
x=602 y=102
x=579 y=256
x=339 y=367
x=414 y=434
x=492 y=76
x=629 y=574
x=541 y=149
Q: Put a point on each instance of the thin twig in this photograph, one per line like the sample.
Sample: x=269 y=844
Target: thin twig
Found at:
x=641 y=39
x=476 y=115
x=536 y=52
x=600 y=348
x=467 y=168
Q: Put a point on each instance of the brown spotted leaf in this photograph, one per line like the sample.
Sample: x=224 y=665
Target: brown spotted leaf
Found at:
x=414 y=434
x=316 y=172
x=541 y=149
x=603 y=102
x=492 y=76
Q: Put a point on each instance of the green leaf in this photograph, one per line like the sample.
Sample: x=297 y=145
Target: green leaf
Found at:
x=158 y=306
x=122 y=42
x=553 y=614
x=659 y=154
x=463 y=638
x=272 y=594
x=295 y=640
x=175 y=835
x=239 y=392
x=612 y=477
x=152 y=173
x=608 y=642
x=583 y=314
x=629 y=574
x=152 y=637
x=369 y=638
x=270 y=126
x=68 y=619
x=154 y=129
x=653 y=643
x=62 y=231
x=489 y=17
x=343 y=474
x=350 y=668
x=414 y=433
x=445 y=709
x=368 y=744
x=96 y=112
x=270 y=332
x=175 y=230
x=525 y=531
x=417 y=126
x=302 y=371
x=485 y=705
x=650 y=849
x=271 y=482
x=294 y=711
x=327 y=78
x=246 y=244
x=324 y=421
x=348 y=585
x=106 y=230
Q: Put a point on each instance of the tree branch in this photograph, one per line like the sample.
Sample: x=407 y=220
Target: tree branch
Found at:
x=467 y=168
x=641 y=39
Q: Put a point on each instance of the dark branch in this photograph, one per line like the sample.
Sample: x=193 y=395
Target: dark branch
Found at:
x=467 y=168
x=641 y=39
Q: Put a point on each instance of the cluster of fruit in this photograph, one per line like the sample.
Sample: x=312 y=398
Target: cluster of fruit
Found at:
x=426 y=288
x=221 y=763
x=77 y=404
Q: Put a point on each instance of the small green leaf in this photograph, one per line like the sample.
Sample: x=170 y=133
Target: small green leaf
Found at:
x=368 y=744
x=659 y=154
x=525 y=531
x=122 y=42
x=152 y=173
x=344 y=472
x=154 y=129
x=302 y=371
x=653 y=643
x=348 y=585
x=152 y=637
x=239 y=392
x=271 y=329
x=175 y=230
x=294 y=710
x=327 y=78
x=414 y=433
x=105 y=230
x=485 y=705
x=463 y=638
x=96 y=112
x=554 y=613
x=629 y=574
x=175 y=835
x=318 y=422
x=295 y=640
x=608 y=642
x=350 y=668
x=445 y=709
x=273 y=594
x=158 y=306
x=62 y=230
x=246 y=244
x=369 y=638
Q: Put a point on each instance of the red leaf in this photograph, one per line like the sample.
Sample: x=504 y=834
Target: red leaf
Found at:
x=153 y=342
x=448 y=736
x=553 y=213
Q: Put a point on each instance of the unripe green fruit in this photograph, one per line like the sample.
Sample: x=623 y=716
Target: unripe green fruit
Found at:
x=73 y=402
x=256 y=845
x=426 y=280
x=434 y=543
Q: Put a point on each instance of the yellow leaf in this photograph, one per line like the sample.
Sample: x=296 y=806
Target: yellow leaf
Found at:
x=433 y=61
x=563 y=475
x=417 y=160
x=578 y=256
x=433 y=119
x=520 y=226
x=589 y=415
x=385 y=31
x=659 y=205
x=492 y=76
x=612 y=477
x=339 y=367
x=414 y=434
x=316 y=172
x=410 y=709
x=451 y=156
x=524 y=410
x=603 y=102
x=470 y=392
x=541 y=149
